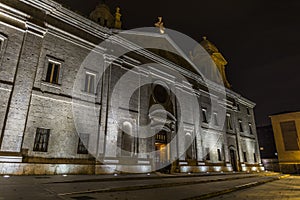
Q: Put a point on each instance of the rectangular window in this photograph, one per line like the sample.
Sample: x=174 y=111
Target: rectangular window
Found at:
x=216 y=119
x=41 y=140
x=241 y=126
x=82 y=143
x=250 y=128
x=248 y=111
x=3 y=44
x=290 y=136
x=161 y=137
x=238 y=107
x=207 y=154
x=53 y=72
x=254 y=156
x=245 y=156
x=1 y=48
x=204 y=115
x=219 y=155
x=228 y=122
x=89 y=82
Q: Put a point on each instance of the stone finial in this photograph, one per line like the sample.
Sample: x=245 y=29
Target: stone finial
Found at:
x=160 y=25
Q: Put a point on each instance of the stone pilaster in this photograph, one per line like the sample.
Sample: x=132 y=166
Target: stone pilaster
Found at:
x=22 y=88
x=104 y=109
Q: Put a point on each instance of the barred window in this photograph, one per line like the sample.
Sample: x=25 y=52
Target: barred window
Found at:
x=161 y=137
x=82 y=143
x=41 y=140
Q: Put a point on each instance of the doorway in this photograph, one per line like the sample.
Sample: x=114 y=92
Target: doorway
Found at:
x=233 y=160
x=161 y=156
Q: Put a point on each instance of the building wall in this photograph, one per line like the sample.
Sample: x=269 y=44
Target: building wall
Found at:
x=30 y=102
x=288 y=159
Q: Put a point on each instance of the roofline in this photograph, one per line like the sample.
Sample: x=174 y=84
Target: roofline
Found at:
x=284 y=113
x=57 y=11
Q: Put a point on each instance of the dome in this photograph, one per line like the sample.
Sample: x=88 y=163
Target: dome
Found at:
x=103 y=16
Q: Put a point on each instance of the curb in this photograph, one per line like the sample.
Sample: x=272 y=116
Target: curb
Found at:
x=142 y=187
x=149 y=177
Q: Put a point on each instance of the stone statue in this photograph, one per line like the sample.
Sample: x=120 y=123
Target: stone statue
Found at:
x=118 y=15
x=160 y=25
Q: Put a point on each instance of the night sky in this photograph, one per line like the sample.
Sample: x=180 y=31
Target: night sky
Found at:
x=260 y=39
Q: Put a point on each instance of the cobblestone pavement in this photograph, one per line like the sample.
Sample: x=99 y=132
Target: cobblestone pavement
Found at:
x=288 y=188
x=143 y=186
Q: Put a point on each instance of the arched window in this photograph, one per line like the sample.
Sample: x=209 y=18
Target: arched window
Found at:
x=126 y=140
x=188 y=146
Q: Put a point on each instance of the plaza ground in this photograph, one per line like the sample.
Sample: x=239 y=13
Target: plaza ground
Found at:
x=264 y=185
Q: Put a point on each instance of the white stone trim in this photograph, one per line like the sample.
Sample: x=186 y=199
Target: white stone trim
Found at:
x=13 y=159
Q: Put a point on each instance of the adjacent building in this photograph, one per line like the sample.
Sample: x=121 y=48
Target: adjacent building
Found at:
x=287 y=134
x=42 y=48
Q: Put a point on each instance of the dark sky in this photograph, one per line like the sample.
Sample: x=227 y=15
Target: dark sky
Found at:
x=260 y=39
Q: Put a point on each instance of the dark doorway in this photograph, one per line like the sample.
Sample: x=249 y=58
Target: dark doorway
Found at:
x=188 y=147
x=162 y=151
x=233 y=160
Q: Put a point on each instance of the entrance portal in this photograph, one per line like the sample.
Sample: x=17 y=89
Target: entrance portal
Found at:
x=162 y=156
x=161 y=149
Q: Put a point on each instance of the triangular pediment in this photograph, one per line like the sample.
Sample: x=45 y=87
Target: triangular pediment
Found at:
x=163 y=46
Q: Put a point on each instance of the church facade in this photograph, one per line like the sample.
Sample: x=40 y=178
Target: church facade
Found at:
x=62 y=113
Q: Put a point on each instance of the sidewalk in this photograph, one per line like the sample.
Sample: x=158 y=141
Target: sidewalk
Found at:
x=106 y=177
x=55 y=187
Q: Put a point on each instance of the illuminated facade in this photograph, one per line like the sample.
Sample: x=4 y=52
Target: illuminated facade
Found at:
x=42 y=46
x=287 y=134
